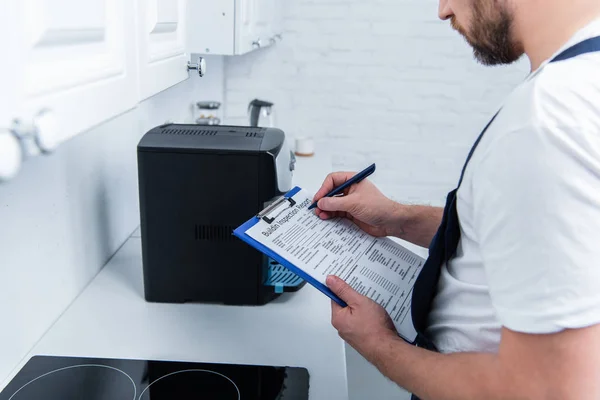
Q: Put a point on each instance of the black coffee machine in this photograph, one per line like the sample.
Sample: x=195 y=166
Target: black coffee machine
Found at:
x=196 y=185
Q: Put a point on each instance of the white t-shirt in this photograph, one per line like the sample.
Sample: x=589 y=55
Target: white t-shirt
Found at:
x=529 y=211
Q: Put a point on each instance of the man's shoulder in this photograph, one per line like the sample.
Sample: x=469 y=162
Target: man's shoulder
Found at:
x=563 y=98
x=550 y=117
x=566 y=93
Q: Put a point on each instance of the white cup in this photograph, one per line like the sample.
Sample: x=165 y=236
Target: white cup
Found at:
x=305 y=146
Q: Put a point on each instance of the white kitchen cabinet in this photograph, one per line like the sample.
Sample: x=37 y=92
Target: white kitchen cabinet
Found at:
x=233 y=27
x=277 y=19
x=10 y=151
x=161 y=46
x=74 y=64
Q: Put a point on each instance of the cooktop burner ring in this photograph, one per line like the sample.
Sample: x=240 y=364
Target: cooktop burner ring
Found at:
x=77 y=366
x=191 y=370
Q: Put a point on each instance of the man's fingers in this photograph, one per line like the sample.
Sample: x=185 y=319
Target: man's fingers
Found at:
x=343 y=290
x=335 y=308
x=332 y=181
x=341 y=203
x=323 y=214
x=331 y=214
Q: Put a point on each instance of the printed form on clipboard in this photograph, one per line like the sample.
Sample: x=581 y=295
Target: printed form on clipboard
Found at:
x=378 y=268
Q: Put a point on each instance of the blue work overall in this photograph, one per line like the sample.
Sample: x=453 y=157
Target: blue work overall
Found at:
x=445 y=242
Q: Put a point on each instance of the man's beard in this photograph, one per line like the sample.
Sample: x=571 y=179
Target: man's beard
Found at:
x=490 y=34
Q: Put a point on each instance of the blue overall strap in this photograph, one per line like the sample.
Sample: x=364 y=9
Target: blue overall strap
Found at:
x=590 y=45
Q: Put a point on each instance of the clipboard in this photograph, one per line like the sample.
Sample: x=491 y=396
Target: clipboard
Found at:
x=269 y=214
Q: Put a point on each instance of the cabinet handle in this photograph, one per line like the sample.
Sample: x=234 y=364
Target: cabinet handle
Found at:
x=46 y=131
x=11 y=155
x=200 y=66
x=42 y=131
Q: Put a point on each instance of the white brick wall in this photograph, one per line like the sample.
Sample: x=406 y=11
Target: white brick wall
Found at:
x=380 y=81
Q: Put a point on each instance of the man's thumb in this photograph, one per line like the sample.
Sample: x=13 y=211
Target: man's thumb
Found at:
x=341 y=203
x=342 y=289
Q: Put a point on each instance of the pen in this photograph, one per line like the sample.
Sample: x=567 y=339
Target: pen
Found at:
x=355 y=179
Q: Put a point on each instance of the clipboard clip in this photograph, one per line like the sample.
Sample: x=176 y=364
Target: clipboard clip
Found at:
x=263 y=214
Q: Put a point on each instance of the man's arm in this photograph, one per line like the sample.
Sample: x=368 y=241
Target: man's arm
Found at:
x=564 y=365
x=415 y=224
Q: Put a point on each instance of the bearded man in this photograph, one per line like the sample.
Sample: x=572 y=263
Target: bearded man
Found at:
x=507 y=305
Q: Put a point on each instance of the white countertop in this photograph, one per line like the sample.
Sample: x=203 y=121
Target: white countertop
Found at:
x=111 y=319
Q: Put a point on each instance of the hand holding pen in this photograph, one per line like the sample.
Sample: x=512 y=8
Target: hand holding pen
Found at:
x=350 y=195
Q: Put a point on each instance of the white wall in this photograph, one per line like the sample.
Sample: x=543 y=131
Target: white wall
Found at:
x=377 y=81
x=65 y=214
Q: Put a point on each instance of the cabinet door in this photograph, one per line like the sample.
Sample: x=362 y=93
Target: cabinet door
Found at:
x=277 y=18
x=232 y=27
x=10 y=71
x=245 y=29
x=264 y=13
x=210 y=27
x=256 y=25
x=162 y=58
x=10 y=152
x=76 y=60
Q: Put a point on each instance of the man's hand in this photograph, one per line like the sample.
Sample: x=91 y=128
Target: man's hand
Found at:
x=362 y=203
x=364 y=323
x=375 y=213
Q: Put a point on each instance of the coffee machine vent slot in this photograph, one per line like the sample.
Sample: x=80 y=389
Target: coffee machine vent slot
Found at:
x=214 y=233
x=194 y=132
x=252 y=132
x=255 y=133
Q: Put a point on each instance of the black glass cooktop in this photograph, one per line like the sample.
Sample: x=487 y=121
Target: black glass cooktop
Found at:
x=70 y=378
